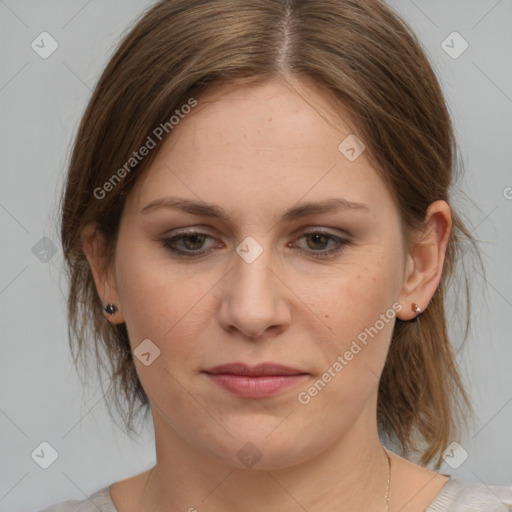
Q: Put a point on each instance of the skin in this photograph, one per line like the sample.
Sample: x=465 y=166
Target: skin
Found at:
x=257 y=151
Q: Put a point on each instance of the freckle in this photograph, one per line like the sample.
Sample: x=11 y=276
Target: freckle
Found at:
x=326 y=316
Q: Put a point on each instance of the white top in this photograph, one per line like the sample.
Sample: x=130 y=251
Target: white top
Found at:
x=455 y=496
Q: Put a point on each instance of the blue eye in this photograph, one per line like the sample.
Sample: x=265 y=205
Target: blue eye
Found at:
x=192 y=243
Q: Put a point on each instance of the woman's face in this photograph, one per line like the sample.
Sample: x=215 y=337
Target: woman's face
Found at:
x=315 y=291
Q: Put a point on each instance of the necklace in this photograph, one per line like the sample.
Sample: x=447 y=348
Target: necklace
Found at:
x=388 y=485
x=389 y=479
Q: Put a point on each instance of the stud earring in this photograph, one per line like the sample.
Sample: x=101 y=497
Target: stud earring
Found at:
x=416 y=308
x=110 y=309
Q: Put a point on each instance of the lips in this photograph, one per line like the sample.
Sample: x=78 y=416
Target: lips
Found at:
x=254 y=371
x=261 y=381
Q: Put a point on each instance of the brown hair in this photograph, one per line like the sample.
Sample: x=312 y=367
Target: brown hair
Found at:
x=359 y=52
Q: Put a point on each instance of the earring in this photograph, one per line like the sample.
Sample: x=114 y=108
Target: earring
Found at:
x=110 y=309
x=416 y=308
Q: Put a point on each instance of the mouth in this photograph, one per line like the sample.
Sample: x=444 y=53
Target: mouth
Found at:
x=261 y=381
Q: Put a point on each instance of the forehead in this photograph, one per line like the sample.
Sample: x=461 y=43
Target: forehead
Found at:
x=276 y=141
x=275 y=114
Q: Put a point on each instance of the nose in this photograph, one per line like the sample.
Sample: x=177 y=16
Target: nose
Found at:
x=254 y=298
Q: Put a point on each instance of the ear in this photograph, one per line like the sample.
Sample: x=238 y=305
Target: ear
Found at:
x=93 y=244
x=424 y=265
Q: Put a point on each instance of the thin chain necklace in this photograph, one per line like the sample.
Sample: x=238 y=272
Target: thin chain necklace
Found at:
x=388 y=485
x=389 y=479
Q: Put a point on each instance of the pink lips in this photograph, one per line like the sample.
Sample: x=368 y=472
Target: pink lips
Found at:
x=259 y=381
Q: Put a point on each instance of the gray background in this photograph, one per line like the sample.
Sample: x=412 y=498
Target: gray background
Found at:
x=41 y=100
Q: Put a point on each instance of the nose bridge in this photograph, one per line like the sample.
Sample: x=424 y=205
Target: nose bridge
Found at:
x=252 y=301
x=252 y=279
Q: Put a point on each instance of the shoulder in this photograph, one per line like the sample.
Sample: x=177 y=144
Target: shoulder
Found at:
x=460 y=496
x=98 y=502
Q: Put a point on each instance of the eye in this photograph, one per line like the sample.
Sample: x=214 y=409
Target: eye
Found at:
x=319 y=239
x=191 y=241
x=190 y=244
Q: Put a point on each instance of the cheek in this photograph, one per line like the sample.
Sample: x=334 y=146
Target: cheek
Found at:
x=358 y=308
x=161 y=303
x=361 y=314
x=163 y=306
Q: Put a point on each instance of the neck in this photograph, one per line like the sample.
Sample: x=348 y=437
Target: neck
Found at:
x=351 y=475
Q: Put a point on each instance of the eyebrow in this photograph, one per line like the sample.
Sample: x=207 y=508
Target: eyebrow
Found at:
x=202 y=209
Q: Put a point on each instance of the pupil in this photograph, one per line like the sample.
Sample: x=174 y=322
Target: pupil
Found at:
x=197 y=238
x=317 y=238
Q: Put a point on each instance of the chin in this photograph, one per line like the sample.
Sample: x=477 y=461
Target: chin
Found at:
x=265 y=448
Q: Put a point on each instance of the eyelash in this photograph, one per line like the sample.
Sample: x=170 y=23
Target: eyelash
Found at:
x=167 y=244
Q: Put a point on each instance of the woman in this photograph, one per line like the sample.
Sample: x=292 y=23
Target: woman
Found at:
x=259 y=236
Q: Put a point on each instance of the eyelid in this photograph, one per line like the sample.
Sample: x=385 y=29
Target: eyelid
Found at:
x=201 y=229
x=329 y=230
x=341 y=240
x=303 y=230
